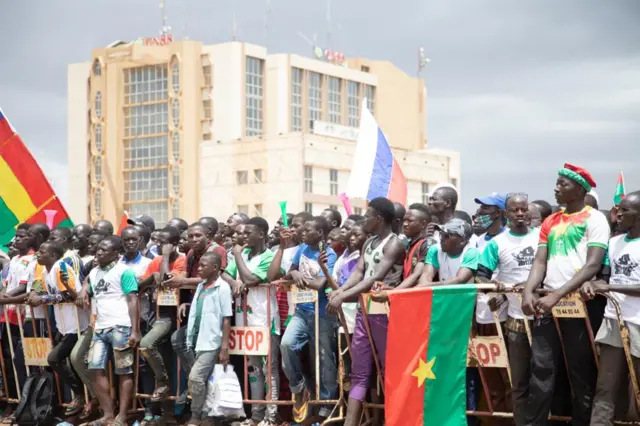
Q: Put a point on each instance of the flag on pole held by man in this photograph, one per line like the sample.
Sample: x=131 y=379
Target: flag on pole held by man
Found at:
x=25 y=192
x=375 y=172
x=124 y=222
x=620 y=193
x=426 y=363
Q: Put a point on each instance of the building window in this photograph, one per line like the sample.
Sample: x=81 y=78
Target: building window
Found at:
x=98 y=138
x=97 y=201
x=308 y=179
x=149 y=149
x=425 y=193
x=353 y=103
x=175 y=177
x=296 y=99
x=308 y=207
x=357 y=210
x=243 y=208
x=333 y=207
x=97 y=170
x=175 y=77
x=98 y=105
x=206 y=108
x=175 y=209
x=454 y=182
x=206 y=72
x=242 y=177
x=175 y=112
x=257 y=175
x=257 y=209
x=253 y=89
x=146 y=84
x=333 y=182
x=335 y=100
x=364 y=68
x=315 y=96
x=175 y=146
x=97 y=68
x=370 y=94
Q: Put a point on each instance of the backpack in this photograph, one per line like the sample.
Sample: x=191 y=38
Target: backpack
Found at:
x=37 y=400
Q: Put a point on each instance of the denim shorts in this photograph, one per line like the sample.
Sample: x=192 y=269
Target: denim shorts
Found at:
x=115 y=338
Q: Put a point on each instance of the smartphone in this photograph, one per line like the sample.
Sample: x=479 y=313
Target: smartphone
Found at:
x=321 y=245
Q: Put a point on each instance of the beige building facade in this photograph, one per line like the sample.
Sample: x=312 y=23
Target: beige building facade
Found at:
x=185 y=129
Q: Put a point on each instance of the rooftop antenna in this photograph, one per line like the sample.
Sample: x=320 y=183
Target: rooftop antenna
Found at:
x=329 y=24
x=234 y=29
x=165 y=28
x=267 y=14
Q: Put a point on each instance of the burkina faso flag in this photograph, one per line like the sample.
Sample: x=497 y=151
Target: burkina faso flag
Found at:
x=427 y=356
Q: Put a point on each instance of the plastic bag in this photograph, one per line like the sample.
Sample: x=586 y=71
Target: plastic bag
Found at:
x=224 y=395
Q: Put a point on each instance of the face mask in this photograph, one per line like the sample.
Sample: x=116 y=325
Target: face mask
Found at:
x=484 y=221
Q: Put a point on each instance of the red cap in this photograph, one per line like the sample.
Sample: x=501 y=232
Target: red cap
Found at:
x=582 y=172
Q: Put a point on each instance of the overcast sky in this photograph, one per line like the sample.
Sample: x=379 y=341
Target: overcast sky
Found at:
x=518 y=87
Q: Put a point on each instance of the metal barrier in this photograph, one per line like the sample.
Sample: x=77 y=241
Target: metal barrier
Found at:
x=485 y=352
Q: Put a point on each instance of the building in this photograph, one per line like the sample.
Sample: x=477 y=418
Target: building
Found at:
x=184 y=129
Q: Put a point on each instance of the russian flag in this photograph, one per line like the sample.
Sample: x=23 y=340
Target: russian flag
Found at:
x=375 y=173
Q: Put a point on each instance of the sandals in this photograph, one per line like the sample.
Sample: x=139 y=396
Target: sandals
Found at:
x=160 y=394
x=88 y=410
x=300 y=414
x=74 y=407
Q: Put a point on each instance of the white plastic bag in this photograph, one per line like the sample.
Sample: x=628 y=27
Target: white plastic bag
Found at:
x=224 y=395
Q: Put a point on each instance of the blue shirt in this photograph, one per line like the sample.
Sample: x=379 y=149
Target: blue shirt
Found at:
x=306 y=260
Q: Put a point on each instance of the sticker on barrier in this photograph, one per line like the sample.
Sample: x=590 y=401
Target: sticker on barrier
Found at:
x=168 y=297
x=570 y=306
x=487 y=351
x=36 y=350
x=303 y=296
x=376 y=308
x=249 y=341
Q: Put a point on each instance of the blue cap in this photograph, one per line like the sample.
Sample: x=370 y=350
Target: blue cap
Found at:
x=495 y=199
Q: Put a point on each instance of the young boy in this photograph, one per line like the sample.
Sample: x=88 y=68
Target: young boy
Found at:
x=208 y=330
x=62 y=287
x=114 y=288
x=306 y=273
x=248 y=269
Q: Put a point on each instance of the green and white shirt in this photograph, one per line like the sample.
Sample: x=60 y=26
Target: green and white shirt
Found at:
x=624 y=259
x=448 y=266
x=512 y=256
x=109 y=288
x=256 y=306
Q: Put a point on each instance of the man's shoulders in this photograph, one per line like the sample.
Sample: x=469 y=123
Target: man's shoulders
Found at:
x=267 y=255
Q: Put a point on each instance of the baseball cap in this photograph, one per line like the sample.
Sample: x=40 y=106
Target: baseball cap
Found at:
x=495 y=199
x=143 y=220
x=456 y=227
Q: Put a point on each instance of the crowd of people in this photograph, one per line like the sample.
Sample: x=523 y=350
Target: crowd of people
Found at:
x=220 y=271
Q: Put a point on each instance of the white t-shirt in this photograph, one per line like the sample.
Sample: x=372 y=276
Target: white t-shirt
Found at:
x=287 y=260
x=257 y=297
x=624 y=259
x=511 y=256
x=19 y=273
x=483 y=312
x=567 y=238
x=65 y=313
x=109 y=289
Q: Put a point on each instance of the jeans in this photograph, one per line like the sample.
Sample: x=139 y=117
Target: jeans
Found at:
x=198 y=378
x=258 y=371
x=299 y=332
x=519 y=361
x=117 y=339
x=149 y=345
x=78 y=360
x=179 y=345
x=57 y=360
x=546 y=350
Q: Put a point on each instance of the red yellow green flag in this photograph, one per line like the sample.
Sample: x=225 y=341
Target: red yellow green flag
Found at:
x=426 y=362
x=619 y=194
x=25 y=192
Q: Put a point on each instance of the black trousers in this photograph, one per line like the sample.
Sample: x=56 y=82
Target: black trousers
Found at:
x=546 y=360
x=57 y=360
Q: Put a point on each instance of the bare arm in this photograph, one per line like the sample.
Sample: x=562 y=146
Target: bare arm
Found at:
x=274 y=272
x=587 y=272
x=412 y=279
x=133 y=307
x=244 y=273
x=428 y=274
x=463 y=276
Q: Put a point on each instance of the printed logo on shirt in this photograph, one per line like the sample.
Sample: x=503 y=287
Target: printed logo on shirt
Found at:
x=525 y=256
x=101 y=287
x=624 y=265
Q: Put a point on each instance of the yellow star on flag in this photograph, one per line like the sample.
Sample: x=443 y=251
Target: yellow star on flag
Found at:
x=424 y=371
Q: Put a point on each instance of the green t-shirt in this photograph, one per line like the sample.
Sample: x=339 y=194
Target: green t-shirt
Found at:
x=448 y=266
